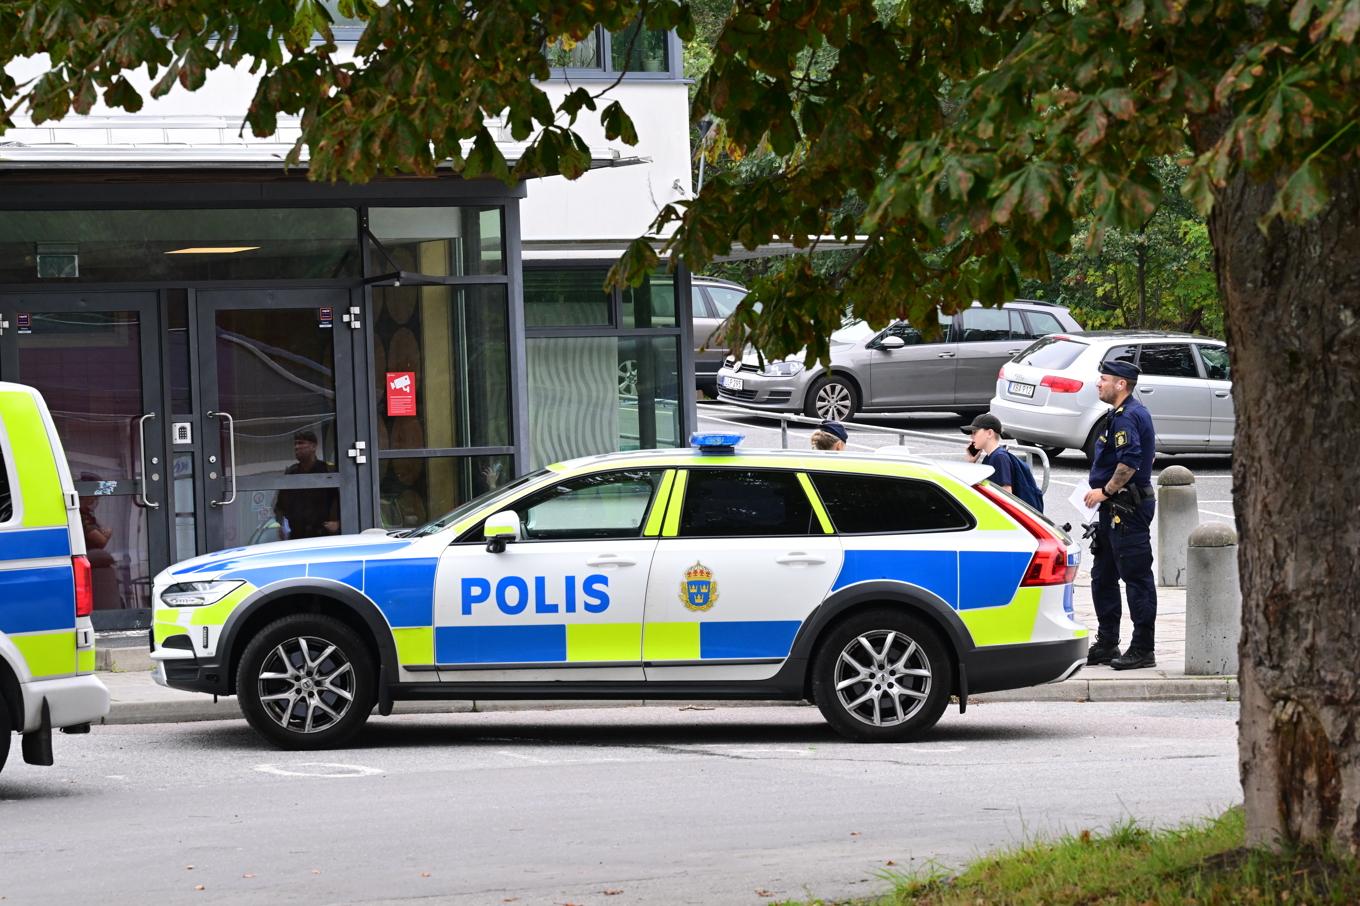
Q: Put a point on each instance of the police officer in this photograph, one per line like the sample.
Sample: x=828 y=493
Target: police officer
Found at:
x=1121 y=486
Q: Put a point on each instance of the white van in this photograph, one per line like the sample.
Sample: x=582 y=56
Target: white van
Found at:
x=46 y=638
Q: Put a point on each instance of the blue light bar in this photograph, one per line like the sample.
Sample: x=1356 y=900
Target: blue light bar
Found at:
x=715 y=443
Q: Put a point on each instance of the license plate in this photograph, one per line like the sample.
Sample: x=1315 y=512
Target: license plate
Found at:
x=1019 y=389
x=735 y=383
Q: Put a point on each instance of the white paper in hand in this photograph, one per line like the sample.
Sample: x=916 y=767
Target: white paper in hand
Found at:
x=1085 y=514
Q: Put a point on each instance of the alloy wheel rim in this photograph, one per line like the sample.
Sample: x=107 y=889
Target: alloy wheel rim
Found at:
x=306 y=684
x=882 y=678
x=833 y=401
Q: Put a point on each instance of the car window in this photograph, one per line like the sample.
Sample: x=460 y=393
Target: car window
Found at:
x=1018 y=329
x=6 y=502
x=733 y=503
x=865 y=504
x=1215 y=359
x=985 y=324
x=697 y=303
x=1055 y=353
x=1041 y=323
x=604 y=505
x=1124 y=353
x=725 y=299
x=1167 y=360
x=912 y=336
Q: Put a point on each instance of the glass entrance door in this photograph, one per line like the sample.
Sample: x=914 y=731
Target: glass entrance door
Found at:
x=277 y=416
x=95 y=357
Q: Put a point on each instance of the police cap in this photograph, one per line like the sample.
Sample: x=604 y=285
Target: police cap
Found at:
x=1121 y=369
x=835 y=428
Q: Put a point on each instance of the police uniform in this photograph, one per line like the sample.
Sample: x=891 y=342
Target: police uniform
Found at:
x=1123 y=539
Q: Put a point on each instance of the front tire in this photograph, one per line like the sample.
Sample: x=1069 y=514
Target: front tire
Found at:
x=306 y=682
x=882 y=676
x=832 y=398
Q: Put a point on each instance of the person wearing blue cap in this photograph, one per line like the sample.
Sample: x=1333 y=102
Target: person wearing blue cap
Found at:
x=1121 y=486
x=830 y=436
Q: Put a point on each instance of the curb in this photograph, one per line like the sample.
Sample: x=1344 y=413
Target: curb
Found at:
x=191 y=709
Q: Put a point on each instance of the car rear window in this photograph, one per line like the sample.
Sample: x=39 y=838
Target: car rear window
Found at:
x=869 y=504
x=1054 y=353
x=733 y=504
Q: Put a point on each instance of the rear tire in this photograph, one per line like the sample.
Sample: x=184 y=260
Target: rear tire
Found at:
x=6 y=732
x=882 y=675
x=832 y=398
x=306 y=682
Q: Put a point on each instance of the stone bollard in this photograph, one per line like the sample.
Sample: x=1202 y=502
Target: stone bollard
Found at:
x=1213 y=601
x=1177 y=516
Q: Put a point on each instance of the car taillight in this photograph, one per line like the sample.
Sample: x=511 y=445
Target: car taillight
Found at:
x=84 y=586
x=1060 y=384
x=1001 y=372
x=1049 y=565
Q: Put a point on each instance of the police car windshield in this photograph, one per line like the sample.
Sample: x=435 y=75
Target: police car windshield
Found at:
x=467 y=509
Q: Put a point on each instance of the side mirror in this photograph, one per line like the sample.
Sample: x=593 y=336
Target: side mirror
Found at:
x=891 y=341
x=499 y=530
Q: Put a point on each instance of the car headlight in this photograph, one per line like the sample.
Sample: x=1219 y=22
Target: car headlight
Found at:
x=782 y=369
x=198 y=594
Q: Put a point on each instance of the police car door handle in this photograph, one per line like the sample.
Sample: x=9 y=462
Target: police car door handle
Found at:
x=800 y=558
x=944 y=355
x=231 y=439
x=604 y=561
x=141 y=477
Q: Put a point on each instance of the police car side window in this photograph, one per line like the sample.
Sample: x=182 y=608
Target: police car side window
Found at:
x=604 y=505
x=6 y=502
x=730 y=503
x=869 y=504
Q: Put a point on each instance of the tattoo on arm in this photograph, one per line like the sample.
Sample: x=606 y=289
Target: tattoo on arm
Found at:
x=1123 y=473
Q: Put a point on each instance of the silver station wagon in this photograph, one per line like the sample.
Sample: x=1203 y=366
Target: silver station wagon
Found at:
x=897 y=369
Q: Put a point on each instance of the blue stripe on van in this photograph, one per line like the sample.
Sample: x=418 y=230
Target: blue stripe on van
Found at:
x=29 y=544
x=37 y=600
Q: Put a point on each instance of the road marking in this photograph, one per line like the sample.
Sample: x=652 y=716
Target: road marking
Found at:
x=1220 y=515
x=318 y=769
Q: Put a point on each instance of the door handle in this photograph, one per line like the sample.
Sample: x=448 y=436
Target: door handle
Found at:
x=1145 y=390
x=604 y=561
x=141 y=478
x=231 y=445
x=800 y=558
x=944 y=355
x=1011 y=351
x=1222 y=393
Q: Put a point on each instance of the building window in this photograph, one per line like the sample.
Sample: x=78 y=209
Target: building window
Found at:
x=439 y=242
x=566 y=298
x=56 y=247
x=634 y=50
x=591 y=395
x=412 y=490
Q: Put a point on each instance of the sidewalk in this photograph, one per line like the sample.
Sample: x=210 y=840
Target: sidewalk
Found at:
x=138 y=700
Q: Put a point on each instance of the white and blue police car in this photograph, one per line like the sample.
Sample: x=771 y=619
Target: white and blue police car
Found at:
x=876 y=586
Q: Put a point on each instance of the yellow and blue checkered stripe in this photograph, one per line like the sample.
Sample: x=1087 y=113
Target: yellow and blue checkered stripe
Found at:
x=568 y=643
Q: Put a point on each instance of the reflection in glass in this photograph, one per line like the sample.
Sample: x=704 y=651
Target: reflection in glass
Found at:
x=583 y=54
x=417 y=489
x=591 y=395
x=455 y=341
x=652 y=304
x=198 y=244
x=570 y=297
x=116 y=546
x=186 y=521
x=441 y=242
x=88 y=366
x=638 y=50
x=276 y=376
x=307 y=512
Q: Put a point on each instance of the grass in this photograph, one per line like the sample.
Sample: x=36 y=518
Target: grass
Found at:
x=1204 y=864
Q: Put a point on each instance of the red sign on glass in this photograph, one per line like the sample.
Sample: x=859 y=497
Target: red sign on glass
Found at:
x=401 y=393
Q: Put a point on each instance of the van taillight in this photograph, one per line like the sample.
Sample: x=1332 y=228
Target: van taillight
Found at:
x=1060 y=384
x=1048 y=566
x=84 y=586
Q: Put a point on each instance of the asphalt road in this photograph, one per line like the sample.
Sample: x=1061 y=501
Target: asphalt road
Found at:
x=1213 y=473
x=661 y=805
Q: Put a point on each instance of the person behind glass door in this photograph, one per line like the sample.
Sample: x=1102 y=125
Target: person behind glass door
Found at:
x=307 y=512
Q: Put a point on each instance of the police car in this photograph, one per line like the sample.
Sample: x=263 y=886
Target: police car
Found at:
x=876 y=586
x=46 y=594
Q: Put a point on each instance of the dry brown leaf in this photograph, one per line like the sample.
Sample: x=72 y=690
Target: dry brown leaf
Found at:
x=199 y=887
x=248 y=875
x=612 y=891
x=890 y=862
x=762 y=892
x=424 y=874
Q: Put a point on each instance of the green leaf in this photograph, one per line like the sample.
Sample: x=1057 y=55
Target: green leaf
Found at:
x=618 y=125
x=1303 y=197
x=1299 y=15
x=1131 y=16
x=1269 y=126
x=636 y=262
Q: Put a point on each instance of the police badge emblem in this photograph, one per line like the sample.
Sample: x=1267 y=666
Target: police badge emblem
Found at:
x=698 y=591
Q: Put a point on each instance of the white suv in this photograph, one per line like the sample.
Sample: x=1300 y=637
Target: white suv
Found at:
x=1046 y=395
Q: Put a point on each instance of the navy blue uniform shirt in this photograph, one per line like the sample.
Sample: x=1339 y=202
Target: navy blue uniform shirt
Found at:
x=1127 y=437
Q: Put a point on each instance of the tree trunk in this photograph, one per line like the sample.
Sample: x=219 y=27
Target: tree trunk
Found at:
x=1142 y=276
x=1292 y=303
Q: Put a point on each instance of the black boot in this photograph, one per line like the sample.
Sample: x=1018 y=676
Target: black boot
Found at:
x=1132 y=659
x=1102 y=652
